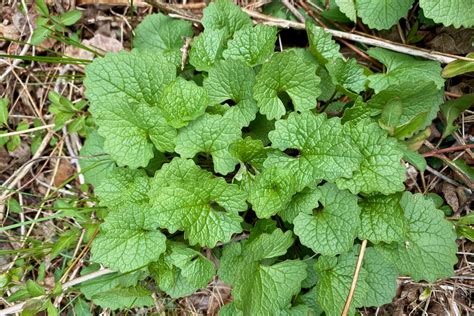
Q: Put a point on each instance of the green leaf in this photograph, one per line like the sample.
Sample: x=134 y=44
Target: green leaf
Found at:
x=128 y=239
x=376 y=285
x=210 y=134
x=195 y=268
x=348 y=75
x=452 y=109
x=249 y=150
x=183 y=271
x=449 y=12
x=462 y=167
x=381 y=279
x=42 y=7
x=391 y=115
x=225 y=15
x=381 y=169
x=4 y=110
x=458 y=67
x=51 y=310
x=61 y=119
x=334 y=281
x=265 y=245
x=123 y=186
x=311 y=278
x=204 y=207
x=302 y=202
x=286 y=72
x=162 y=34
x=309 y=299
x=81 y=307
x=118 y=298
x=108 y=281
x=178 y=169
x=382 y=219
x=331 y=229
x=467 y=219
x=40 y=34
x=321 y=44
x=253 y=45
x=34 y=289
x=414 y=158
x=258 y=288
x=271 y=191
x=20 y=294
x=60 y=103
x=415 y=100
x=232 y=81
x=411 y=127
x=124 y=91
x=328 y=88
x=183 y=101
x=14 y=206
x=358 y=112
x=66 y=240
x=77 y=125
x=382 y=14
x=428 y=251
x=298 y=310
x=332 y=13
x=466 y=232
x=14 y=142
x=94 y=162
x=230 y=309
x=348 y=7
x=325 y=151
x=206 y=49
x=437 y=199
x=259 y=128
x=70 y=17
x=402 y=69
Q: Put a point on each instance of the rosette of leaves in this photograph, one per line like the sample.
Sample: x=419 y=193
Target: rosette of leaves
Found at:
x=245 y=168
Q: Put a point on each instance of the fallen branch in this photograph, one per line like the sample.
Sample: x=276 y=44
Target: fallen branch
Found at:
x=442 y=176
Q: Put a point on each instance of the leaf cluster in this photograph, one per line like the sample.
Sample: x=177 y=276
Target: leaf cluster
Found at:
x=244 y=157
x=49 y=25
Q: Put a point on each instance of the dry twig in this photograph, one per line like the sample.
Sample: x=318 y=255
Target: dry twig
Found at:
x=293 y=10
x=448 y=150
x=355 y=278
x=26 y=131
